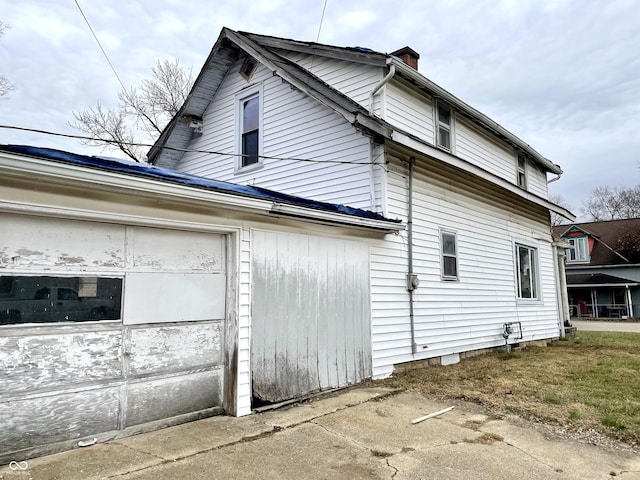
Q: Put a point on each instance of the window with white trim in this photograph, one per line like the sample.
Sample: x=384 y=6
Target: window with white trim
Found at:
x=249 y=129
x=527 y=272
x=579 y=250
x=444 y=130
x=522 y=171
x=449 y=253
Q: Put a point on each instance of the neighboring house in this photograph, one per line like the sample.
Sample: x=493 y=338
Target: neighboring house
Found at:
x=366 y=129
x=603 y=268
x=126 y=294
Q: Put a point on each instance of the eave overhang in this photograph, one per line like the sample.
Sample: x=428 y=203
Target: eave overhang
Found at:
x=36 y=169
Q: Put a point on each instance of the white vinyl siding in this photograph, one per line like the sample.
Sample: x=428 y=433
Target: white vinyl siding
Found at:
x=355 y=80
x=294 y=125
x=409 y=111
x=453 y=317
x=483 y=151
x=537 y=181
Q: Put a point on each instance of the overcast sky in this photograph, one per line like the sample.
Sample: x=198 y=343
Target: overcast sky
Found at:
x=562 y=75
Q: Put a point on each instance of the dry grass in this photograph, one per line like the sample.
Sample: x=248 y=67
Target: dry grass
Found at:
x=592 y=381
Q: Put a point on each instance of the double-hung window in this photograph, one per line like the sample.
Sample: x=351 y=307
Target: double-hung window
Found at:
x=449 y=250
x=522 y=171
x=527 y=272
x=579 y=250
x=444 y=116
x=249 y=124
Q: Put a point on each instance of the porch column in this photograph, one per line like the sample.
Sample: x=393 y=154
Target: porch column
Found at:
x=629 y=301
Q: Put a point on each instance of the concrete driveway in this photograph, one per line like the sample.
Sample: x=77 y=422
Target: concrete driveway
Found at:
x=362 y=433
x=607 y=326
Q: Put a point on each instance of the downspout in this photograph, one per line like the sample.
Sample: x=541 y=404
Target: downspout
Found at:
x=561 y=283
x=382 y=83
x=411 y=278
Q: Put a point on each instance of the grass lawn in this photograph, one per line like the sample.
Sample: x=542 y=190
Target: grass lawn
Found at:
x=591 y=381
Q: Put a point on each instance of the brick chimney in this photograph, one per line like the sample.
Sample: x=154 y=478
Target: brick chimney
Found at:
x=408 y=55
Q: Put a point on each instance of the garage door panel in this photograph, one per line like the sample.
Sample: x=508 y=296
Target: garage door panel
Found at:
x=173 y=297
x=176 y=250
x=28 y=242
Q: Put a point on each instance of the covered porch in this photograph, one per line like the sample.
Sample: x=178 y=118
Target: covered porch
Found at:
x=602 y=296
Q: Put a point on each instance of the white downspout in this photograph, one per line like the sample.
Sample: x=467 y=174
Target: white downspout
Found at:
x=559 y=250
x=382 y=83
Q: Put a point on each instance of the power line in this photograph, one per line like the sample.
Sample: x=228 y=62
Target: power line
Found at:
x=183 y=150
x=125 y=92
x=324 y=8
x=100 y=45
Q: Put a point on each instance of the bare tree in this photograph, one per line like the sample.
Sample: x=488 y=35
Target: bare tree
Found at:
x=557 y=219
x=143 y=110
x=5 y=85
x=606 y=203
x=629 y=246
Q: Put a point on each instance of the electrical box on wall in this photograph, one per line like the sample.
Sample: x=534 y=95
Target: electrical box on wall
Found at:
x=412 y=281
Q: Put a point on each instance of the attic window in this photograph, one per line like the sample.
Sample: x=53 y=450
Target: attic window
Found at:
x=522 y=171
x=249 y=129
x=248 y=67
x=444 y=131
x=579 y=250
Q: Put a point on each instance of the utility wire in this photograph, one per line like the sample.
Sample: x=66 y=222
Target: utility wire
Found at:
x=324 y=8
x=184 y=150
x=100 y=45
x=125 y=92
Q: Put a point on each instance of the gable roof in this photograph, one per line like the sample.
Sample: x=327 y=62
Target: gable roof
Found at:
x=231 y=45
x=606 y=235
x=278 y=204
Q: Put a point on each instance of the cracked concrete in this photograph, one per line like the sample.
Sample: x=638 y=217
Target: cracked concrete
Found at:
x=361 y=433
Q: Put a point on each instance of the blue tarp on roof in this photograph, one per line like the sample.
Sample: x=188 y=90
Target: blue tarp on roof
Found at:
x=148 y=171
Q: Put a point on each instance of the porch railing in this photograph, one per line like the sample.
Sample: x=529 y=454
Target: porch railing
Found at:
x=599 y=310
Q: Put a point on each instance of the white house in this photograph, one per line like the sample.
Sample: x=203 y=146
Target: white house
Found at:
x=366 y=129
x=316 y=216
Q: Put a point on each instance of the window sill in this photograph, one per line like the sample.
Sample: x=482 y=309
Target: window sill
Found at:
x=248 y=168
x=529 y=301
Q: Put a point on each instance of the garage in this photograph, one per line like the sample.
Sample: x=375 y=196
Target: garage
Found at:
x=133 y=298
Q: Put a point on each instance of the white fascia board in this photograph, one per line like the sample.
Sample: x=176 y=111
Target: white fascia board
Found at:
x=296 y=211
x=447 y=158
x=600 y=285
x=30 y=167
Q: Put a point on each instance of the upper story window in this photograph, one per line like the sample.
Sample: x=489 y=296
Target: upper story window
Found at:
x=522 y=171
x=249 y=124
x=527 y=272
x=449 y=250
x=579 y=250
x=444 y=131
